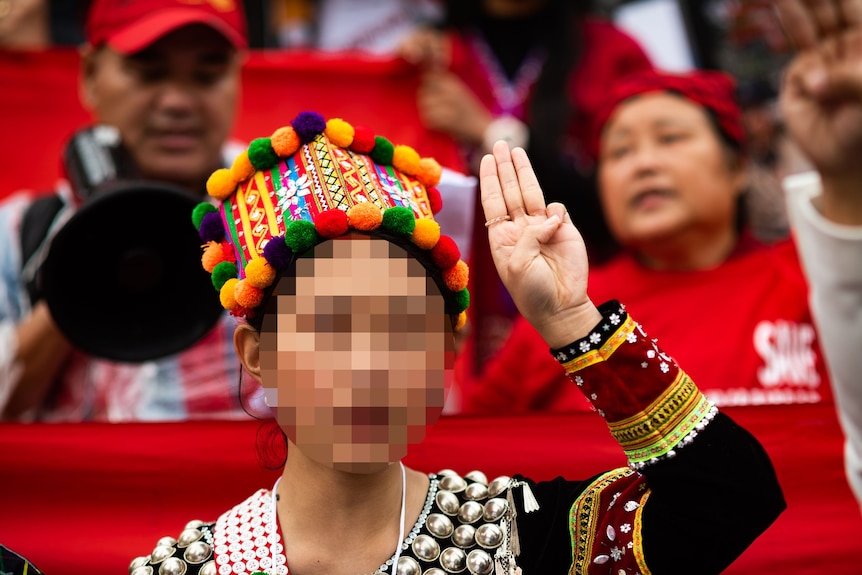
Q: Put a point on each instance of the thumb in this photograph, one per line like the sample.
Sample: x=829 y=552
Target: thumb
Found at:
x=840 y=83
x=532 y=237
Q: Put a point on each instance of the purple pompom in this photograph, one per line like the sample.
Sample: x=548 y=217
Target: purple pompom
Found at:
x=211 y=229
x=277 y=253
x=308 y=125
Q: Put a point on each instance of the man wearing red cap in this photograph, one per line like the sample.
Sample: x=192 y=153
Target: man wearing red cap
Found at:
x=166 y=75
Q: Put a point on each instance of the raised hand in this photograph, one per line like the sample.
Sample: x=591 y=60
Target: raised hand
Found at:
x=539 y=253
x=821 y=99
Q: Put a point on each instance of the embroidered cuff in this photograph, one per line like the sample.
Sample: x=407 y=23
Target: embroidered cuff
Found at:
x=652 y=407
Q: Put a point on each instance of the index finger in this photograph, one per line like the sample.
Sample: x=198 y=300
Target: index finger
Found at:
x=798 y=23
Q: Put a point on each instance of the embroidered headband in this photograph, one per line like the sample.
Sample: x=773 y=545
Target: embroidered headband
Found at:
x=713 y=90
x=311 y=181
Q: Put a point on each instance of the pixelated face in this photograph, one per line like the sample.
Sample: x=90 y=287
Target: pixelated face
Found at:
x=358 y=355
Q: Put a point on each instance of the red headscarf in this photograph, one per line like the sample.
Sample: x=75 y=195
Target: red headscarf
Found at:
x=715 y=91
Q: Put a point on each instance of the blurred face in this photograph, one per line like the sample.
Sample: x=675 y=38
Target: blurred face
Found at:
x=664 y=171
x=173 y=102
x=357 y=356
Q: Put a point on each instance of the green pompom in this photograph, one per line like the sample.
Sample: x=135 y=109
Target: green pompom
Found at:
x=221 y=273
x=300 y=236
x=200 y=211
x=462 y=300
x=399 y=220
x=383 y=151
x=261 y=155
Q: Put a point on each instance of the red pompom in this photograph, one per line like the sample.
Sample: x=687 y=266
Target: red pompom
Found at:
x=435 y=200
x=363 y=140
x=331 y=223
x=446 y=253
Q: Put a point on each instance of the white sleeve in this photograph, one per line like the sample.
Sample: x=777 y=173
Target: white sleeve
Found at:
x=14 y=303
x=831 y=255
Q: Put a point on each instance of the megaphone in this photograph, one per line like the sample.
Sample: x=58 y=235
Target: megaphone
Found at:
x=123 y=277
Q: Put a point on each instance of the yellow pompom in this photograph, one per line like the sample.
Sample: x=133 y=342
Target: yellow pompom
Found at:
x=426 y=234
x=213 y=255
x=285 y=142
x=429 y=172
x=247 y=295
x=406 y=160
x=242 y=169
x=221 y=184
x=339 y=132
x=365 y=217
x=259 y=273
x=457 y=276
x=226 y=295
x=462 y=321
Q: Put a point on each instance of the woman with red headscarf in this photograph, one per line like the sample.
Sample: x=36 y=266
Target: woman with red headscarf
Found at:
x=671 y=159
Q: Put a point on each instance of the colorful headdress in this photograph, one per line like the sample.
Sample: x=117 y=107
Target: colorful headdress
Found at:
x=311 y=181
x=715 y=91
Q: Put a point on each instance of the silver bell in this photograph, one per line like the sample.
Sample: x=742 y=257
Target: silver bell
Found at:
x=476 y=492
x=426 y=548
x=197 y=552
x=408 y=566
x=138 y=562
x=498 y=486
x=489 y=536
x=439 y=525
x=495 y=508
x=209 y=568
x=464 y=536
x=453 y=483
x=479 y=562
x=478 y=477
x=173 y=566
x=143 y=570
x=447 y=502
x=453 y=560
x=160 y=553
x=166 y=542
x=470 y=512
x=188 y=536
x=434 y=571
x=194 y=524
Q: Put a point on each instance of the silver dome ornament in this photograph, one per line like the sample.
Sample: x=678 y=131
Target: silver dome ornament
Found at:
x=464 y=536
x=434 y=571
x=426 y=548
x=453 y=483
x=447 y=502
x=194 y=524
x=408 y=566
x=173 y=566
x=453 y=560
x=495 y=508
x=444 y=472
x=197 y=552
x=489 y=536
x=160 y=553
x=476 y=492
x=498 y=486
x=478 y=477
x=479 y=562
x=166 y=542
x=142 y=570
x=138 y=562
x=209 y=568
x=439 y=525
x=188 y=536
x=470 y=512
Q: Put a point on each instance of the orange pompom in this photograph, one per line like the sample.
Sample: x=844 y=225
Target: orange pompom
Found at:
x=213 y=255
x=462 y=321
x=285 y=142
x=226 y=294
x=221 y=184
x=457 y=276
x=426 y=234
x=406 y=160
x=429 y=172
x=259 y=273
x=247 y=295
x=242 y=168
x=339 y=132
x=365 y=216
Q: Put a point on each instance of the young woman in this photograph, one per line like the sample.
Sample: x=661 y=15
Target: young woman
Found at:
x=324 y=239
